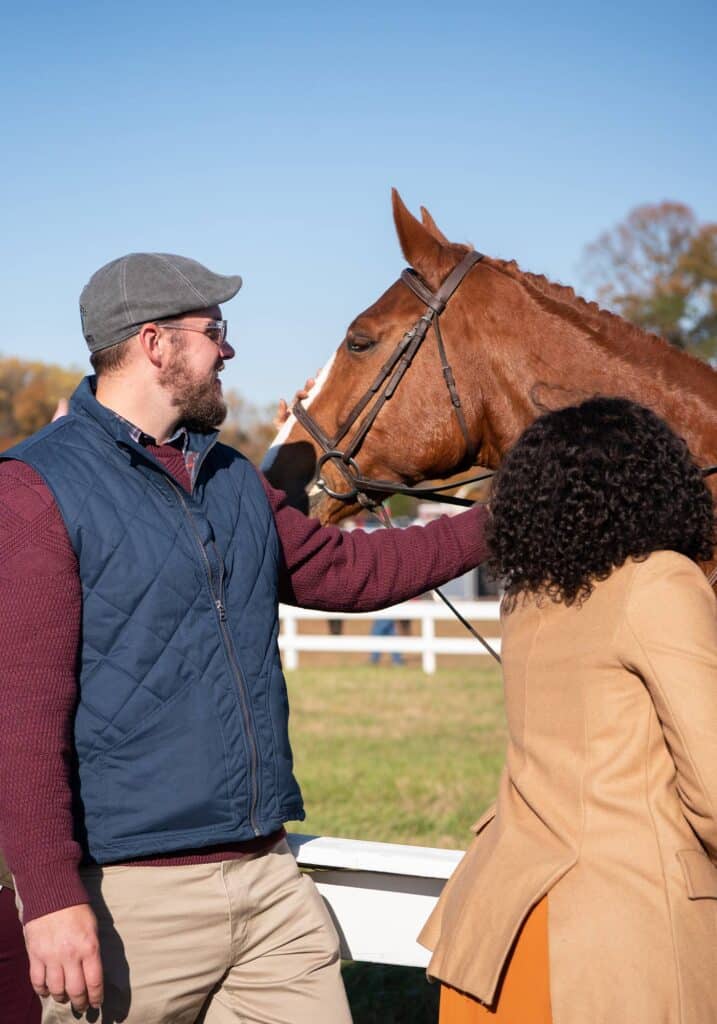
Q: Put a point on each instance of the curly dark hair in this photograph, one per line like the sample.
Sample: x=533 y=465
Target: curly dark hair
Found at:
x=586 y=488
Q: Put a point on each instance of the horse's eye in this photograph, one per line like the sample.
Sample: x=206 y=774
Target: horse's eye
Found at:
x=359 y=343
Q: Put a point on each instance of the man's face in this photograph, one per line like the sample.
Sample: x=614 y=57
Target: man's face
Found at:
x=192 y=374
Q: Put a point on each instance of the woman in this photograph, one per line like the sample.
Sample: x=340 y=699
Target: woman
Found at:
x=589 y=895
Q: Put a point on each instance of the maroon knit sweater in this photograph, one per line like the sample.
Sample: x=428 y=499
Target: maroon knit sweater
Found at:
x=40 y=610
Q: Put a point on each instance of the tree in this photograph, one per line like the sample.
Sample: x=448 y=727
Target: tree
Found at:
x=30 y=391
x=658 y=269
x=247 y=427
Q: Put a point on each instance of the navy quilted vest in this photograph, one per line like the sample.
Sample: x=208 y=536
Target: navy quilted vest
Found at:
x=181 y=727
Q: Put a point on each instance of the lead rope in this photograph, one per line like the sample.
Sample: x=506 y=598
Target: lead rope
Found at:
x=384 y=518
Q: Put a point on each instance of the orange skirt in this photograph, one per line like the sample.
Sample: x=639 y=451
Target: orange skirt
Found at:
x=524 y=991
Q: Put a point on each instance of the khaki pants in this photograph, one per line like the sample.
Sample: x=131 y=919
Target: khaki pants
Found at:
x=243 y=942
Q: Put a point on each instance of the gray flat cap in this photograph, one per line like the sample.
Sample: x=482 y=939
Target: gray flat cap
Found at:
x=144 y=286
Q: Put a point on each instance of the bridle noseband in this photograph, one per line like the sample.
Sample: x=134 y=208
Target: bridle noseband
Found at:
x=383 y=388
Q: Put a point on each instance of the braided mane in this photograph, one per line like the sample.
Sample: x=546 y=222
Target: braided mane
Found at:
x=627 y=338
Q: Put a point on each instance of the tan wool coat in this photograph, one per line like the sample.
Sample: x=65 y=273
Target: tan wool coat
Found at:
x=607 y=803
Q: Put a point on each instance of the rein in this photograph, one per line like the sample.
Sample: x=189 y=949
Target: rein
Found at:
x=435 y=493
x=427 y=493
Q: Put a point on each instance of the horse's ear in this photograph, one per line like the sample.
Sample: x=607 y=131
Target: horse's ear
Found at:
x=420 y=247
x=429 y=222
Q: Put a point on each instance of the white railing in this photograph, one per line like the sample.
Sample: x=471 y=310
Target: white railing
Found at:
x=427 y=644
x=379 y=894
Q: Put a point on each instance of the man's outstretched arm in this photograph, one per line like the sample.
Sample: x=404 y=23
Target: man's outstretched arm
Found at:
x=336 y=570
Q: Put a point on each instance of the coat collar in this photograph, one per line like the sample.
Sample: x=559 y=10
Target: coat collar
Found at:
x=84 y=403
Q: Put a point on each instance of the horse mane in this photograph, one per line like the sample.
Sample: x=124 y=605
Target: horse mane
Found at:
x=629 y=339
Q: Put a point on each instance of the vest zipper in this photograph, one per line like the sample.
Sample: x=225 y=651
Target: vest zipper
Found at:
x=229 y=649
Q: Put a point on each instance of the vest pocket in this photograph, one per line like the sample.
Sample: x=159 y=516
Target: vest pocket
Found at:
x=167 y=779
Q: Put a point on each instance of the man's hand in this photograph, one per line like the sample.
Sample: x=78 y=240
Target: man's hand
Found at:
x=64 y=954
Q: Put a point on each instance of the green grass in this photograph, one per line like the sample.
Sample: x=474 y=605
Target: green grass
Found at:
x=395 y=756
x=390 y=995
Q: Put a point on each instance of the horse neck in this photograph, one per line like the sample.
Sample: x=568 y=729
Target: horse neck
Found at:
x=544 y=353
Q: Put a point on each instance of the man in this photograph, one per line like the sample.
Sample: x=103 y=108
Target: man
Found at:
x=145 y=766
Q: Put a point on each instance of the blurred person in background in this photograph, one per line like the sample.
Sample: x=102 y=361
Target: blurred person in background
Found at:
x=384 y=627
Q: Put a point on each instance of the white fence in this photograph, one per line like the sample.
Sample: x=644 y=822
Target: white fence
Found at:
x=427 y=644
x=379 y=894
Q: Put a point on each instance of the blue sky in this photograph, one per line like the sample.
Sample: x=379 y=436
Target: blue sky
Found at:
x=264 y=139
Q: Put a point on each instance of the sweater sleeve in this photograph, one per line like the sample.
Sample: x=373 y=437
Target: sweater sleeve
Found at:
x=331 y=569
x=40 y=606
x=671 y=624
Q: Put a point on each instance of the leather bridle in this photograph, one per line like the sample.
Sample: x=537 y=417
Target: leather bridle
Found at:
x=389 y=377
x=382 y=390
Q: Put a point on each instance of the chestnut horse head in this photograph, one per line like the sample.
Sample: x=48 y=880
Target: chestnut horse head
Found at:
x=513 y=343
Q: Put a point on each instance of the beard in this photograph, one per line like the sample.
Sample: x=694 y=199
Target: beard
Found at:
x=201 y=405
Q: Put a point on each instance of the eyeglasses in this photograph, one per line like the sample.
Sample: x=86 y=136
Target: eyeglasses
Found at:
x=215 y=330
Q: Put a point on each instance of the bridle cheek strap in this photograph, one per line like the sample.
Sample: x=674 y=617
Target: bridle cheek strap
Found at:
x=389 y=377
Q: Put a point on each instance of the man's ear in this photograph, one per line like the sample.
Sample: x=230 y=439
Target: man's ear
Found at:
x=154 y=344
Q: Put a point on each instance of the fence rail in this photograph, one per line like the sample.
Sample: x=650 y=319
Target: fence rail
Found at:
x=292 y=642
x=378 y=894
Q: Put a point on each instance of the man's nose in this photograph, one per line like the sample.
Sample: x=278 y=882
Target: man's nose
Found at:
x=226 y=351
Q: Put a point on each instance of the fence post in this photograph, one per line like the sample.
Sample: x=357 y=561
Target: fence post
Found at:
x=428 y=633
x=291 y=655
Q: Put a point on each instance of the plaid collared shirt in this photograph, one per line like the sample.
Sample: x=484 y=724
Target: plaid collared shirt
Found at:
x=180 y=439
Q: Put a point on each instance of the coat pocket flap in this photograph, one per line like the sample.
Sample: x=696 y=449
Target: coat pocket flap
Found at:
x=484 y=820
x=700 y=874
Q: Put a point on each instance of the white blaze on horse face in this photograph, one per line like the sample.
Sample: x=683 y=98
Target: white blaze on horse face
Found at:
x=283 y=435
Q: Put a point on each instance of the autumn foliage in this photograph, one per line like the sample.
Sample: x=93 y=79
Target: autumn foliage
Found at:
x=247 y=427
x=30 y=391
x=658 y=268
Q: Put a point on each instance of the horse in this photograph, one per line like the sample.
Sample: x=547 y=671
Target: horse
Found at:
x=388 y=407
